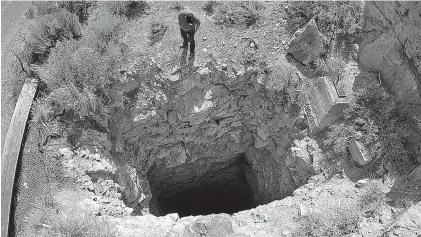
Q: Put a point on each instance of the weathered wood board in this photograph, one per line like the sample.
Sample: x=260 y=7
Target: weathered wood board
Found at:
x=11 y=148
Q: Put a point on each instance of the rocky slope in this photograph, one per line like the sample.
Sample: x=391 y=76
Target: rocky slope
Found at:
x=392 y=46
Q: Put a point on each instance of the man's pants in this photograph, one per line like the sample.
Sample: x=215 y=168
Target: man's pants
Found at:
x=188 y=37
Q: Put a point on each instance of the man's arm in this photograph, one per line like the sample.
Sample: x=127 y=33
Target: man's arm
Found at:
x=181 y=16
x=197 y=23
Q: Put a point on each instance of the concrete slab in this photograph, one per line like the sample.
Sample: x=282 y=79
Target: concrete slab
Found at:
x=358 y=152
x=324 y=104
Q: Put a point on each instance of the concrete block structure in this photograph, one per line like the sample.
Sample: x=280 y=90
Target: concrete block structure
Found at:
x=324 y=105
x=358 y=152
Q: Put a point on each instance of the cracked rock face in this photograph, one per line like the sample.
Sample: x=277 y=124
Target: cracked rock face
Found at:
x=217 y=127
x=392 y=46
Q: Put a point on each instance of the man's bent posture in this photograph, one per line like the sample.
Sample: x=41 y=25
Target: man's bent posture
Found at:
x=189 y=24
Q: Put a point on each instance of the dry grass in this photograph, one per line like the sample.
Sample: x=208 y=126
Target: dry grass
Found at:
x=372 y=197
x=336 y=219
x=74 y=224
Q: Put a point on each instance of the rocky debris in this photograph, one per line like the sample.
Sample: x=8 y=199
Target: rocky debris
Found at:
x=358 y=152
x=304 y=159
x=275 y=219
x=409 y=223
x=128 y=179
x=308 y=43
x=112 y=207
x=346 y=81
x=361 y=183
x=147 y=225
x=89 y=206
x=392 y=46
x=157 y=32
x=98 y=176
x=370 y=228
x=407 y=187
x=65 y=153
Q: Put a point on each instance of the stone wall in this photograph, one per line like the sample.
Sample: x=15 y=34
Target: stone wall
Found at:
x=392 y=46
x=215 y=113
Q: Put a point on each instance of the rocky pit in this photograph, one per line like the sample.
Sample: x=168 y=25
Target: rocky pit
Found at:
x=203 y=187
x=217 y=140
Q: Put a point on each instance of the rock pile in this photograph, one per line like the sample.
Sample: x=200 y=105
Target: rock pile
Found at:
x=96 y=175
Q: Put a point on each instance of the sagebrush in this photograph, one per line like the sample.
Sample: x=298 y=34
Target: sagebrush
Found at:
x=334 y=18
x=81 y=78
x=238 y=13
x=129 y=9
x=337 y=219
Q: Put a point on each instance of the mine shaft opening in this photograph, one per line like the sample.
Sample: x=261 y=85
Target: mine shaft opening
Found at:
x=203 y=187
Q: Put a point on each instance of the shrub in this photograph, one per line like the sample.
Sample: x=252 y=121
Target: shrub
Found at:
x=30 y=13
x=82 y=76
x=334 y=220
x=333 y=67
x=33 y=47
x=209 y=7
x=237 y=13
x=44 y=121
x=129 y=9
x=334 y=18
x=43 y=34
x=372 y=198
x=50 y=7
x=45 y=7
x=81 y=80
x=103 y=29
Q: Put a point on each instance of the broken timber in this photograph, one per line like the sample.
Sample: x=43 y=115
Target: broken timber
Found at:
x=11 y=149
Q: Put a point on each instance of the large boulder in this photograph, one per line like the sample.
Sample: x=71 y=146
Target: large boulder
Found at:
x=392 y=46
x=304 y=160
x=308 y=43
x=130 y=183
x=409 y=224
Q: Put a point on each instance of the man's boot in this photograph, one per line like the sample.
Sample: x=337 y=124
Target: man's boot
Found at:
x=184 y=46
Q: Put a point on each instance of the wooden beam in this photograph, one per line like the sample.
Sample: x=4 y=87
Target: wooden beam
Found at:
x=11 y=149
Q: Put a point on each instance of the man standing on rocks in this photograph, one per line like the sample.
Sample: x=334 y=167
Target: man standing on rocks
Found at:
x=189 y=24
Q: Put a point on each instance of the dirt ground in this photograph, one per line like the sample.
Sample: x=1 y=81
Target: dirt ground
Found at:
x=225 y=43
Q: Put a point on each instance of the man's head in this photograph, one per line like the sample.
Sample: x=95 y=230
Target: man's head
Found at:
x=189 y=17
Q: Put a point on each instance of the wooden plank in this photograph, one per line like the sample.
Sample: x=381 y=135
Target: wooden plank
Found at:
x=11 y=149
